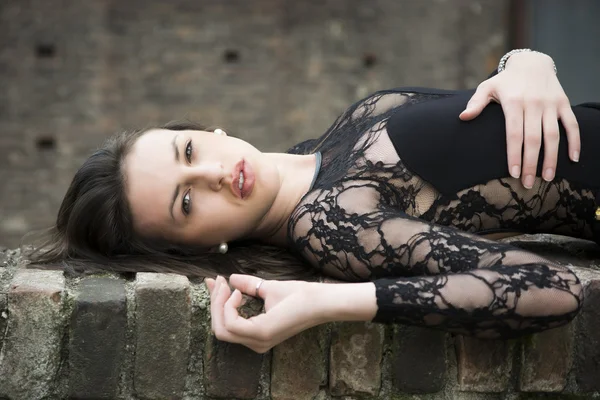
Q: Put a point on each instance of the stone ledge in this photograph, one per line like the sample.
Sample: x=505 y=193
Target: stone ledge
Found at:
x=163 y=348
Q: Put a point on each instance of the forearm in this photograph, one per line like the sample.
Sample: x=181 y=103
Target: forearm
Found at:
x=502 y=301
x=347 y=301
x=483 y=303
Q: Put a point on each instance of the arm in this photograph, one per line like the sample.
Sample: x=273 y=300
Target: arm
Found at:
x=533 y=101
x=451 y=280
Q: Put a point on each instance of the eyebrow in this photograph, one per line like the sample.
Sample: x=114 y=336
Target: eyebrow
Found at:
x=176 y=192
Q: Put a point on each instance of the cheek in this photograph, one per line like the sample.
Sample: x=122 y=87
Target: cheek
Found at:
x=215 y=216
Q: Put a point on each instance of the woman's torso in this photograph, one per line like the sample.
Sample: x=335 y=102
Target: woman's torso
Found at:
x=418 y=158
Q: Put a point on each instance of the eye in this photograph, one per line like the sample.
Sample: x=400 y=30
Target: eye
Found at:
x=186 y=203
x=188 y=151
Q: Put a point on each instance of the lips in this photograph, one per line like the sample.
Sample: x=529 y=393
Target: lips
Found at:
x=242 y=172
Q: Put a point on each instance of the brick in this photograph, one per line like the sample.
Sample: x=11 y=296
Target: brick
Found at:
x=31 y=354
x=97 y=339
x=162 y=326
x=355 y=358
x=232 y=370
x=546 y=360
x=587 y=353
x=298 y=366
x=418 y=360
x=483 y=365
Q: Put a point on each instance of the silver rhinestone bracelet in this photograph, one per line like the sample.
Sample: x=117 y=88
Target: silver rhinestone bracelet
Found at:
x=504 y=59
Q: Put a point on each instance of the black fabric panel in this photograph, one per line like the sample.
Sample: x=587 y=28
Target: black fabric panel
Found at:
x=454 y=155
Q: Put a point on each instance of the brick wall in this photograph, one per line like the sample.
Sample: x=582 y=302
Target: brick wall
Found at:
x=148 y=337
x=273 y=72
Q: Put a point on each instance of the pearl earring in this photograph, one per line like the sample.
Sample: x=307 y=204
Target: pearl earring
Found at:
x=223 y=248
x=219 y=131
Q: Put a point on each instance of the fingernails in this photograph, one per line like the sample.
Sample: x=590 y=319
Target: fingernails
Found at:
x=528 y=183
x=548 y=174
x=515 y=171
x=576 y=156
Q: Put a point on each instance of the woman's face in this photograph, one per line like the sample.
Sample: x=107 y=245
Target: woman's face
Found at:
x=184 y=186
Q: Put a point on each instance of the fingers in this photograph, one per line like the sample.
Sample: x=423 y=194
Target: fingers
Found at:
x=480 y=99
x=513 y=112
x=551 y=142
x=210 y=284
x=219 y=295
x=232 y=320
x=228 y=325
x=571 y=125
x=532 y=144
x=247 y=284
x=236 y=324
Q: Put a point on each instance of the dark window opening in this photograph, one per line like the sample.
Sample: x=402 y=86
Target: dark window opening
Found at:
x=45 y=50
x=231 y=56
x=369 y=60
x=45 y=143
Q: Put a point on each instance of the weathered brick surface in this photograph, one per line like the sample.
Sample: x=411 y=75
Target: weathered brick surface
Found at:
x=483 y=365
x=3 y=318
x=162 y=330
x=97 y=338
x=232 y=370
x=273 y=73
x=419 y=360
x=298 y=366
x=587 y=356
x=546 y=360
x=355 y=358
x=30 y=356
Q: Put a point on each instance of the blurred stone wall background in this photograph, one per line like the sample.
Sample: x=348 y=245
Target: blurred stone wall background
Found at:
x=273 y=72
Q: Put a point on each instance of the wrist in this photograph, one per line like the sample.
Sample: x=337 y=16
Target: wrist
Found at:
x=526 y=58
x=531 y=58
x=346 y=301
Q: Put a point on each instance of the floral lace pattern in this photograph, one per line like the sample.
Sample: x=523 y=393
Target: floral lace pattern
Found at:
x=369 y=218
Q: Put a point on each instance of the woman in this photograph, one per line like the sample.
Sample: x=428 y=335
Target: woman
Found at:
x=396 y=194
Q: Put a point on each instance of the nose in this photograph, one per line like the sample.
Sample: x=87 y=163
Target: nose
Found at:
x=210 y=174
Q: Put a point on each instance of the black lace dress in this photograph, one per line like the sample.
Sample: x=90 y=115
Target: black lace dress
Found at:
x=405 y=191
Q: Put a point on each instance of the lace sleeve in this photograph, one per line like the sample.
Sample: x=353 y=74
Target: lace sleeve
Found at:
x=436 y=276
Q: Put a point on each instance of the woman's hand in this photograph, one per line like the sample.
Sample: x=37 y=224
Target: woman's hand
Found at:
x=533 y=101
x=290 y=308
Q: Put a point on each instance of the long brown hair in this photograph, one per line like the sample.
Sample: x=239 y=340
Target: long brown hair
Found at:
x=94 y=230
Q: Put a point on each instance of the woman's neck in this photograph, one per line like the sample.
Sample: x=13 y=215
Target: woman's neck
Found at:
x=296 y=173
